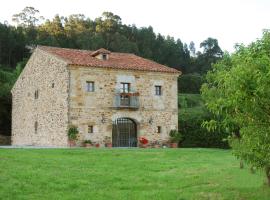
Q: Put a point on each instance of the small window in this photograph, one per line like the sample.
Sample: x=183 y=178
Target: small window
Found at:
x=90 y=86
x=90 y=129
x=158 y=90
x=36 y=127
x=125 y=87
x=159 y=129
x=52 y=85
x=104 y=57
x=36 y=94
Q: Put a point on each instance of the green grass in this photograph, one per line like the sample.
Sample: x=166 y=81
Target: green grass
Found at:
x=126 y=174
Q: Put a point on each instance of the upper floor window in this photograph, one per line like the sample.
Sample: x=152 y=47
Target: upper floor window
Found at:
x=90 y=86
x=104 y=56
x=158 y=91
x=36 y=94
x=125 y=87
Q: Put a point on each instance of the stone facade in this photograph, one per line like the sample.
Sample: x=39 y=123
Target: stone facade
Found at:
x=63 y=101
x=49 y=112
x=88 y=108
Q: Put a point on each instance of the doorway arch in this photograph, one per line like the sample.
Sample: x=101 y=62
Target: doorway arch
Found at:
x=124 y=133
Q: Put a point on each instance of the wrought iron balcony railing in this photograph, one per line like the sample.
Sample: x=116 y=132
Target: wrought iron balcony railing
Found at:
x=126 y=100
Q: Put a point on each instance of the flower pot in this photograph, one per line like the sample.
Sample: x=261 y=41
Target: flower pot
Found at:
x=174 y=145
x=72 y=143
x=109 y=145
x=144 y=146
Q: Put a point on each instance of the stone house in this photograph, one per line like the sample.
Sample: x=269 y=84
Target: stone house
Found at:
x=118 y=95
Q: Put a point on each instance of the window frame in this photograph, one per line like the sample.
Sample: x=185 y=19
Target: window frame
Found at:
x=90 y=86
x=104 y=56
x=90 y=129
x=125 y=87
x=36 y=127
x=159 y=129
x=158 y=90
x=36 y=94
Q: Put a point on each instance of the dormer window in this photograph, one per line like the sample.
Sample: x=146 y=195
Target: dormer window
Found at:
x=104 y=56
x=101 y=54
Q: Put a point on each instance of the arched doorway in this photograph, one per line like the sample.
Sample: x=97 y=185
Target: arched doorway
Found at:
x=124 y=133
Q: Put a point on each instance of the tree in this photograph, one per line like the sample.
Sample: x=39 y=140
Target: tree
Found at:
x=237 y=92
x=7 y=80
x=210 y=55
x=28 y=17
x=211 y=48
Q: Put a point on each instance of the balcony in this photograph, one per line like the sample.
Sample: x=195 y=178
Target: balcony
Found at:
x=126 y=100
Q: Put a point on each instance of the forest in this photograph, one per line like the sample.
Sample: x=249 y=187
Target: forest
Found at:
x=107 y=31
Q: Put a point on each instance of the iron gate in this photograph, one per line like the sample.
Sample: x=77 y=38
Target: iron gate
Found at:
x=124 y=133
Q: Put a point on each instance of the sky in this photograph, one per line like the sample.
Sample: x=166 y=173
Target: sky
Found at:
x=229 y=21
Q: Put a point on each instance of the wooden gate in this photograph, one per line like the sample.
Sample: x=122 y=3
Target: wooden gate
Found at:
x=124 y=133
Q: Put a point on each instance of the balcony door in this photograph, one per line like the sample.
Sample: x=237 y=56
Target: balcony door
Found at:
x=125 y=89
x=124 y=133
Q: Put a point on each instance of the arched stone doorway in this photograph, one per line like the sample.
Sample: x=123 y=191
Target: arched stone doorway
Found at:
x=124 y=133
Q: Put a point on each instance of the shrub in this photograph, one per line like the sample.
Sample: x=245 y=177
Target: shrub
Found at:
x=87 y=142
x=175 y=136
x=73 y=133
x=192 y=114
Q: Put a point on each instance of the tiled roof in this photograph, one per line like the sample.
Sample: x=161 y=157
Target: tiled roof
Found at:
x=125 y=61
x=99 y=51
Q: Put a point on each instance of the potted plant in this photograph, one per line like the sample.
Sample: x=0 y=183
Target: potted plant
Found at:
x=175 y=138
x=72 y=135
x=143 y=142
x=108 y=142
x=88 y=143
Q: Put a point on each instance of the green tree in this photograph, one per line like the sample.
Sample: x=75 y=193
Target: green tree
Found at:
x=29 y=16
x=7 y=80
x=210 y=55
x=237 y=92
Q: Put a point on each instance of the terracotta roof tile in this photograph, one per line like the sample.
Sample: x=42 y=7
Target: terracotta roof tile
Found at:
x=116 y=60
x=99 y=51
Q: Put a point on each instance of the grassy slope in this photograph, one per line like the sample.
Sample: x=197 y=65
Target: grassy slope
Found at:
x=191 y=106
x=126 y=174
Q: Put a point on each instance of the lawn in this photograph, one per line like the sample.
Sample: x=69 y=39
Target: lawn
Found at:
x=126 y=174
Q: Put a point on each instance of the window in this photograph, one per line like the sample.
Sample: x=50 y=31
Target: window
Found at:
x=159 y=129
x=158 y=90
x=90 y=86
x=90 y=129
x=104 y=57
x=52 y=85
x=125 y=87
x=36 y=94
x=36 y=127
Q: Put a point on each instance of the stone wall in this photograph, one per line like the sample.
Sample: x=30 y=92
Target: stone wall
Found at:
x=87 y=108
x=49 y=76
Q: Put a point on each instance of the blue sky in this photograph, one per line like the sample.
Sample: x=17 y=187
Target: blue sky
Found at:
x=230 y=21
